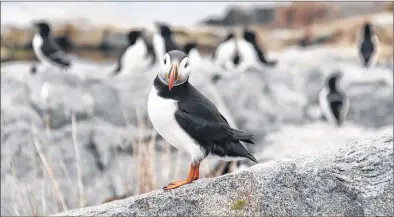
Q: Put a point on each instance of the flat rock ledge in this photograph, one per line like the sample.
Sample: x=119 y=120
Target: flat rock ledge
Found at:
x=354 y=180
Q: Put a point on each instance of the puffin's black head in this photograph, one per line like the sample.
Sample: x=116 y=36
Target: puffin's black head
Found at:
x=174 y=69
x=249 y=36
x=165 y=30
x=43 y=28
x=189 y=46
x=367 y=30
x=229 y=36
x=133 y=35
x=333 y=79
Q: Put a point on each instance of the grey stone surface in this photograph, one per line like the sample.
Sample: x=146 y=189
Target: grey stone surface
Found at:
x=355 y=180
x=271 y=104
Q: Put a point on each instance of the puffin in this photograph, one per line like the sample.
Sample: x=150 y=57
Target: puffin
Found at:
x=187 y=120
x=368 y=46
x=135 y=56
x=163 y=41
x=191 y=50
x=333 y=102
x=46 y=49
x=226 y=54
x=251 y=52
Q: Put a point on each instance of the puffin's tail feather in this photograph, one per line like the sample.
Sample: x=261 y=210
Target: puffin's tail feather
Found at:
x=251 y=157
x=242 y=136
x=233 y=149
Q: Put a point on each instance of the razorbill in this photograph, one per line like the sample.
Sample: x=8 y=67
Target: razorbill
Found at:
x=333 y=102
x=46 y=50
x=135 y=56
x=191 y=50
x=226 y=54
x=252 y=54
x=188 y=120
x=368 y=46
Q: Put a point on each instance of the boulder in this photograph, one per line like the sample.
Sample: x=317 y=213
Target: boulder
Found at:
x=353 y=180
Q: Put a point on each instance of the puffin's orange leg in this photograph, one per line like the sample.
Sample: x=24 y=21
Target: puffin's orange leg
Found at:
x=188 y=180
x=196 y=172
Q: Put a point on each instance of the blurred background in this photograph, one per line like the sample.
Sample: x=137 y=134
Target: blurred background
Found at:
x=80 y=138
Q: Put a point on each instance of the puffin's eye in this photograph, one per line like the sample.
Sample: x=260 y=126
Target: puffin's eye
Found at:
x=186 y=64
x=165 y=61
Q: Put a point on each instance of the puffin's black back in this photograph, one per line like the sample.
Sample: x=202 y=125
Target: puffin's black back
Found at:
x=367 y=47
x=203 y=122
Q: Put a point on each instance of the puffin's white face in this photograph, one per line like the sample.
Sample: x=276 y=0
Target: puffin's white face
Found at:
x=175 y=68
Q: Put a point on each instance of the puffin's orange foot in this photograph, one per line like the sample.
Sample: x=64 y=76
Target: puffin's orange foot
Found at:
x=176 y=184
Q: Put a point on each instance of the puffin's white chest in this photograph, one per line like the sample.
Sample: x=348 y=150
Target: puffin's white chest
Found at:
x=325 y=106
x=247 y=51
x=161 y=112
x=248 y=54
x=194 y=56
x=37 y=47
x=134 y=56
x=37 y=44
x=225 y=51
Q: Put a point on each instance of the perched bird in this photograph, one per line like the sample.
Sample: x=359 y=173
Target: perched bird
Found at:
x=252 y=54
x=163 y=41
x=368 y=46
x=135 y=56
x=188 y=120
x=191 y=50
x=226 y=54
x=333 y=102
x=46 y=50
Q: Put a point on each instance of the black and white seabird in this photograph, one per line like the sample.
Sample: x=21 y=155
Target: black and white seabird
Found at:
x=163 y=41
x=135 y=56
x=226 y=54
x=251 y=52
x=191 y=50
x=46 y=50
x=333 y=102
x=188 y=120
x=368 y=46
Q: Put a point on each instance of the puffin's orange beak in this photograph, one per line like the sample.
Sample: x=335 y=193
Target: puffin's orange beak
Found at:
x=173 y=75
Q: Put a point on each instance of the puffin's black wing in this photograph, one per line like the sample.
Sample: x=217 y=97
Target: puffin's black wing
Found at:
x=202 y=121
x=54 y=53
x=336 y=103
x=261 y=56
x=211 y=132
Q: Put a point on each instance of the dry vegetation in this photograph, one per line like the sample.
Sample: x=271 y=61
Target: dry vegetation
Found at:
x=139 y=173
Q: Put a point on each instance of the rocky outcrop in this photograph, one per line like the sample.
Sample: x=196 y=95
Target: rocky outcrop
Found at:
x=111 y=124
x=355 y=180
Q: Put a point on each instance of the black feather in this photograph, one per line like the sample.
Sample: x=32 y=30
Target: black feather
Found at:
x=198 y=117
